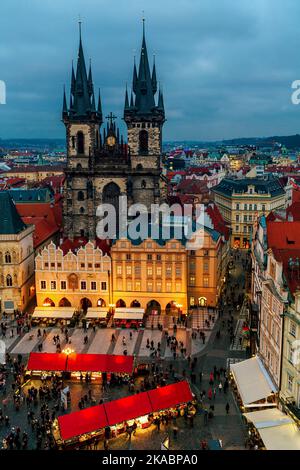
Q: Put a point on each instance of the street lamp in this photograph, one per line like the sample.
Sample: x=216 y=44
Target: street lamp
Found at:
x=68 y=351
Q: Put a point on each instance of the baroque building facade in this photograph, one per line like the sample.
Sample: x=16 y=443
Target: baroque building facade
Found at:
x=242 y=201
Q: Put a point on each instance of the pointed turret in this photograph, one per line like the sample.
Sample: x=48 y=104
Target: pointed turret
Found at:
x=73 y=80
x=65 y=107
x=99 y=107
x=153 y=78
x=126 y=105
x=90 y=79
x=160 y=104
x=135 y=78
x=131 y=101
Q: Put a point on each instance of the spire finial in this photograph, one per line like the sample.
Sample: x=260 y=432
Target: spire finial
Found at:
x=143 y=20
x=79 y=24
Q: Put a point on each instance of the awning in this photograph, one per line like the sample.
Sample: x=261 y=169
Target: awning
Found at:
x=252 y=380
x=171 y=395
x=99 y=312
x=53 y=312
x=100 y=363
x=116 y=411
x=47 y=362
x=127 y=408
x=129 y=313
x=80 y=362
x=82 y=422
x=277 y=430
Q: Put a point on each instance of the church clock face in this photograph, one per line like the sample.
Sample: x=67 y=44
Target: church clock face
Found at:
x=111 y=141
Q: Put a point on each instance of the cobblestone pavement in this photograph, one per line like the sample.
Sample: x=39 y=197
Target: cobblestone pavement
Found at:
x=216 y=352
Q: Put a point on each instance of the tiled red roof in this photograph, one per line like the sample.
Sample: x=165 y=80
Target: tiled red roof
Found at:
x=15 y=182
x=56 y=182
x=46 y=217
x=292 y=276
x=192 y=187
x=283 y=235
x=217 y=220
x=294 y=211
x=43 y=229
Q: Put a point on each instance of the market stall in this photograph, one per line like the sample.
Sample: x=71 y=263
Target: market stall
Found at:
x=77 y=364
x=276 y=430
x=128 y=317
x=252 y=384
x=97 y=316
x=117 y=415
x=50 y=315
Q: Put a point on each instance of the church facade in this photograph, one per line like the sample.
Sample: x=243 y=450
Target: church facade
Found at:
x=101 y=166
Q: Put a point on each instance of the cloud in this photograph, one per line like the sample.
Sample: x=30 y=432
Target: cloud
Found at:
x=226 y=67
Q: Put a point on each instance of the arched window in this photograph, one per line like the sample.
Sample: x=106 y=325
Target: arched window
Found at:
x=81 y=210
x=7 y=257
x=143 y=139
x=80 y=196
x=143 y=184
x=139 y=166
x=73 y=142
x=9 y=280
x=78 y=166
x=82 y=232
x=80 y=142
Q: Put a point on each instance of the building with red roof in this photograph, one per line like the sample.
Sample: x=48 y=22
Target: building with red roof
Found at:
x=276 y=292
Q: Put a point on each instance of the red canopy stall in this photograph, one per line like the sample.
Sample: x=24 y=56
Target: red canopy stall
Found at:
x=82 y=425
x=100 y=362
x=78 y=363
x=47 y=362
x=82 y=422
x=127 y=409
x=165 y=397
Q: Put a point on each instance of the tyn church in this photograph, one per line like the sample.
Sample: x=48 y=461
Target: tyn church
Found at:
x=101 y=166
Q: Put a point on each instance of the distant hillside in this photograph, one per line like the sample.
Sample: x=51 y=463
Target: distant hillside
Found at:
x=289 y=141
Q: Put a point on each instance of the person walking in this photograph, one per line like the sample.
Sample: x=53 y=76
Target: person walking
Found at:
x=227 y=407
x=220 y=387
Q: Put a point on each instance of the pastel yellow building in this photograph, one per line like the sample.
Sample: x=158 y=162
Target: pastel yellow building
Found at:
x=242 y=201
x=150 y=275
x=80 y=279
x=206 y=269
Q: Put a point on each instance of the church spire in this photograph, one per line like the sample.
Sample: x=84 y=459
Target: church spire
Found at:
x=144 y=87
x=82 y=96
x=81 y=86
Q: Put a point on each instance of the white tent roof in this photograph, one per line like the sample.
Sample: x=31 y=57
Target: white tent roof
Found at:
x=277 y=430
x=129 y=313
x=252 y=380
x=53 y=312
x=99 y=312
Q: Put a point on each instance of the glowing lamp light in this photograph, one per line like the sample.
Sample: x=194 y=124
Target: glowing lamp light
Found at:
x=68 y=351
